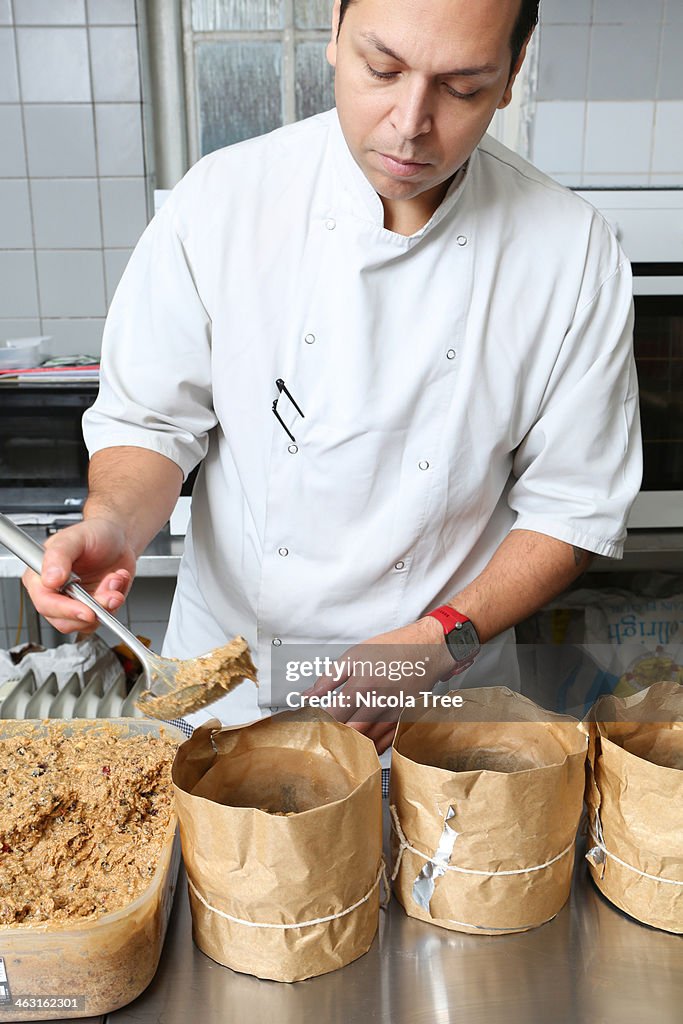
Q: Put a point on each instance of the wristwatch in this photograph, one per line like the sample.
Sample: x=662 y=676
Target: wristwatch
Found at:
x=461 y=637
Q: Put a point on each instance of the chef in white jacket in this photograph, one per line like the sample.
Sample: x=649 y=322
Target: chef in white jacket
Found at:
x=447 y=334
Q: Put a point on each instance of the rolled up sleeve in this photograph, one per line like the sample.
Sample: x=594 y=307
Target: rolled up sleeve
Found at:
x=155 y=384
x=579 y=467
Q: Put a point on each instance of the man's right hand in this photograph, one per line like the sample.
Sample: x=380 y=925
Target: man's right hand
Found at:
x=98 y=551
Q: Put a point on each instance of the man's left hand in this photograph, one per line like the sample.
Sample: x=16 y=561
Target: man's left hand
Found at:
x=405 y=661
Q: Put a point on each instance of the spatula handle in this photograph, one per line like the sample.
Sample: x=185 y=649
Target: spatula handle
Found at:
x=20 y=544
x=76 y=591
x=31 y=554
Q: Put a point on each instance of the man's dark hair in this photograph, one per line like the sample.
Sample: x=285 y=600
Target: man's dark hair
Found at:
x=524 y=26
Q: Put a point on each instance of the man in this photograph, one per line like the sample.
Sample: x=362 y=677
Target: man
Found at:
x=447 y=333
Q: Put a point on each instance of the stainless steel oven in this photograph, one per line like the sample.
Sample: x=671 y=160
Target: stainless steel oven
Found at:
x=649 y=225
x=43 y=459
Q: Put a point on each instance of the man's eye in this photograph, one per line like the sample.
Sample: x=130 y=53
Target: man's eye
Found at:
x=380 y=74
x=461 y=95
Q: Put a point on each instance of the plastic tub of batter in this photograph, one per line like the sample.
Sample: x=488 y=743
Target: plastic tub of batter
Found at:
x=90 y=968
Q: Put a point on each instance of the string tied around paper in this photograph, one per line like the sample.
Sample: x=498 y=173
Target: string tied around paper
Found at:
x=598 y=855
x=405 y=845
x=381 y=877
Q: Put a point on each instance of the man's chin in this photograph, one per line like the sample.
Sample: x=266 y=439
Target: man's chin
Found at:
x=388 y=188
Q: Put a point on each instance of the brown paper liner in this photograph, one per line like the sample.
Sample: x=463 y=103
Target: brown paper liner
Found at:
x=517 y=805
x=284 y=868
x=635 y=800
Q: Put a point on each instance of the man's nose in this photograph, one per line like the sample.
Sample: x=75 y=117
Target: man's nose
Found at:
x=412 y=113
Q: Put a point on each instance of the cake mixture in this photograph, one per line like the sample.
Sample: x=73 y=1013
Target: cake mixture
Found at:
x=200 y=681
x=83 y=819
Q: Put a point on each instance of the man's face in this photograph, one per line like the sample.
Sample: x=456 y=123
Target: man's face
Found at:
x=417 y=83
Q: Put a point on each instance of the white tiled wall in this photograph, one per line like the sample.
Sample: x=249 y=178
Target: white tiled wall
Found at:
x=73 y=174
x=148 y=608
x=14 y=603
x=609 y=99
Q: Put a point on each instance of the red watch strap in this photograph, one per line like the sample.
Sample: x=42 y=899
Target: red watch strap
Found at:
x=448 y=617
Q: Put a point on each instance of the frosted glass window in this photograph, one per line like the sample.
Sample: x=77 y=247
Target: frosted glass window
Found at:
x=313 y=13
x=236 y=15
x=314 y=81
x=251 y=66
x=239 y=92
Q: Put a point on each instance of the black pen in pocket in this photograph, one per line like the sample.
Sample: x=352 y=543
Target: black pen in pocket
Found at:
x=282 y=388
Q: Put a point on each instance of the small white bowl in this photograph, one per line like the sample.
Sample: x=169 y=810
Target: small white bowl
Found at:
x=21 y=353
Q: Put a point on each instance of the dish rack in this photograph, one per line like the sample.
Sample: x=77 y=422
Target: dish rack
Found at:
x=24 y=697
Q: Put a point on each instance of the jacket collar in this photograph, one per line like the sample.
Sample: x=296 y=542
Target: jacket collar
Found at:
x=356 y=195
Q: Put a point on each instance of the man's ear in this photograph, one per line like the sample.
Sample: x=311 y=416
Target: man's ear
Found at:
x=507 y=95
x=331 y=51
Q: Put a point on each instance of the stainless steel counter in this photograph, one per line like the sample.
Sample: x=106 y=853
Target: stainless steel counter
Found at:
x=591 y=963
x=644 y=549
x=160 y=558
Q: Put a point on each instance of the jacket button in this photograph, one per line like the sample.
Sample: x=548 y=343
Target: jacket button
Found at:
x=450 y=354
x=330 y=224
x=276 y=641
x=283 y=552
x=400 y=565
x=461 y=239
x=310 y=339
x=424 y=464
x=293 y=449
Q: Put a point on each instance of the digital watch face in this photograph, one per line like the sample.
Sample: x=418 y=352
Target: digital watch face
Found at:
x=463 y=642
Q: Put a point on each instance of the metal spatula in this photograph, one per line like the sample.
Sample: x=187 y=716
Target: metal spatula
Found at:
x=173 y=687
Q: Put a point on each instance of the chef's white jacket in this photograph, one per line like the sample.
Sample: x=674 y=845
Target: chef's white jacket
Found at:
x=472 y=378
